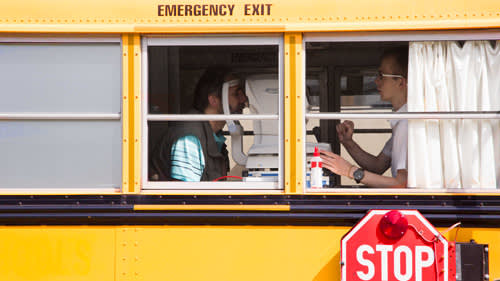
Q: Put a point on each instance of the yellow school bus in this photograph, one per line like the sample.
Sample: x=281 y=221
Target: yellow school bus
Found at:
x=89 y=87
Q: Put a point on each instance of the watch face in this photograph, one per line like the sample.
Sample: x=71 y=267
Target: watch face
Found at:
x=358 y=175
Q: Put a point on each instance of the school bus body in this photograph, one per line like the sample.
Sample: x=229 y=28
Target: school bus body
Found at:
x=137 y=235
x=183 y=252
x=244 y=16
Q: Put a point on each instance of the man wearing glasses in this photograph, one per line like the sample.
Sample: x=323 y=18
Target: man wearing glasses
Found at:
x=392 y=85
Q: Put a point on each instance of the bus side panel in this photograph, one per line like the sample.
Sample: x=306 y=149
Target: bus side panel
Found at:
x=239 y=252
x=57 y=253
x=186 y=252
x=292 y=15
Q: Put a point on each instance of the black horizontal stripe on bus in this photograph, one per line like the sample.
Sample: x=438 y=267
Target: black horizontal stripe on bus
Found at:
x=341 y=210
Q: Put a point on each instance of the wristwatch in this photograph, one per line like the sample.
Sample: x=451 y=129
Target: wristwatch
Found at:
x=358 y=175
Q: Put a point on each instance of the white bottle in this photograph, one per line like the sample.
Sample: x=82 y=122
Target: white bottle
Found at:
x=316 y=170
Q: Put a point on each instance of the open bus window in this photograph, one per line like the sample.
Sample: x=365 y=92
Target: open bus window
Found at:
x=212 y=114
x=444 y=150
x=61 y=112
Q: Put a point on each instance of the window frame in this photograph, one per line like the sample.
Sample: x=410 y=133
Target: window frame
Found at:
x=65 y=116
x=210 y=40
x=395 y=36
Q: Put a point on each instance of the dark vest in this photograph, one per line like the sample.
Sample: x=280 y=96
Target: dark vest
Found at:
x=216 y=163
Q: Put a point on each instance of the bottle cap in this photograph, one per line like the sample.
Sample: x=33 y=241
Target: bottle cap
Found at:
x=316 y=151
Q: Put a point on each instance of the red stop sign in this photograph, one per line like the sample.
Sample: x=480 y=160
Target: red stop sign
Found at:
x=421 y=253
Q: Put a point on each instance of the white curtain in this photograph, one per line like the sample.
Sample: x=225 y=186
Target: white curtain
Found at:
x=443 y=76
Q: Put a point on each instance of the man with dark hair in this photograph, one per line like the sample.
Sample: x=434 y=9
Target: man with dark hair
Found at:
x=196 y=150
x=392 y=84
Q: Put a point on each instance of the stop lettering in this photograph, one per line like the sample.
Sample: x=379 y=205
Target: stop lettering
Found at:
x=402 y=261
x=418 y=252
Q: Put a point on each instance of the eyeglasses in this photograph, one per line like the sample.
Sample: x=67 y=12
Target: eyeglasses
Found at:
x=381 y=75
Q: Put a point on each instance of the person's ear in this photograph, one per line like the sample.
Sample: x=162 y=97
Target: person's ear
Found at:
x=403 y=83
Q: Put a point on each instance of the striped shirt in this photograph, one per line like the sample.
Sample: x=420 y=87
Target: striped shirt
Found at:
x=187 y=160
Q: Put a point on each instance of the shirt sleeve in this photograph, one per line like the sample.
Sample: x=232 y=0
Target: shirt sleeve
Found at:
x=400 y=148
x=187 y=160
x=387 y=150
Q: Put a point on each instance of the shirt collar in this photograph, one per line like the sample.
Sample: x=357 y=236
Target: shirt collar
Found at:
x=220 y=139
x=394 y=122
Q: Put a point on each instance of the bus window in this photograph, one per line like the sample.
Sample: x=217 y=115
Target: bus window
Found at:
x=212 y=112
x=346 y=80
x=61 y=113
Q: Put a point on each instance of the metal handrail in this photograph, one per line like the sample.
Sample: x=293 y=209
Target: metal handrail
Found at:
x=200 y=117
x=60 y=116
x=408 y=115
